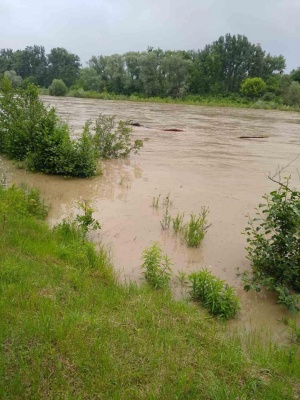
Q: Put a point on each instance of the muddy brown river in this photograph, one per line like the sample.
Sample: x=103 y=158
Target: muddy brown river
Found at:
x=207 y=164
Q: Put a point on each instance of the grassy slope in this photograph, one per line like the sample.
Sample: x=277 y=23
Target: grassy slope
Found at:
x=69 y=331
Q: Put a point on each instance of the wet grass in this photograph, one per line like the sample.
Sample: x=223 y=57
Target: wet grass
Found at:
x=69 y=331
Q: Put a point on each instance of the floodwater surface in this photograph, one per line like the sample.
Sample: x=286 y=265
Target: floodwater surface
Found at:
x=205 y=164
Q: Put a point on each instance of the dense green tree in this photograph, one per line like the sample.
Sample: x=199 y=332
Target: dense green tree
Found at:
x=292 y=94
x=150 y=72
x=15 y=79
x=273 y=65
x=132 y=82
x=278 y=83
x=115 y=74
x=295 y=75
x=63 y=65
x=6 y=60
x=174 y=73
x=90 y=80
x=32 y=62
x=235 y=55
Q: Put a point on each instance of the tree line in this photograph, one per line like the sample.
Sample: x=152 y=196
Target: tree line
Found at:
x=219 y=69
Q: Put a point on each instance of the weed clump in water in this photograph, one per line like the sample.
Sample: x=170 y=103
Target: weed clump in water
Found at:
x=157 y=267
x=216 y=296
x=166 y=219
x=194 y=230
x=177 y=222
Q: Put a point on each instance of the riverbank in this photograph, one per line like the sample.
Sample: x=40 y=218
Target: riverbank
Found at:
x=68 y=330
x=236 y=102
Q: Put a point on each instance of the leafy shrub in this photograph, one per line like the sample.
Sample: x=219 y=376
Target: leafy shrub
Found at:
x=113 y=139
x=217 y=297
x=274 y=245
x=58 y=88
x=157 y=267
x=15 y=79
x=31 y=133
x=268 y=96
x=291 y=95
x=253 y=87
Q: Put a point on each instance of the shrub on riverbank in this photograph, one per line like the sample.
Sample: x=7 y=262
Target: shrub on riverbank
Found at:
x=274 y=245
x=58 y=88
x=31 y=133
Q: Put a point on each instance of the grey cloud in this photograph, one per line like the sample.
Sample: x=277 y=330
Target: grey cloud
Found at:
x=116 y=26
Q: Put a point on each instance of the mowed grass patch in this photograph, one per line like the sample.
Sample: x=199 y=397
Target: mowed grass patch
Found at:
x=69 y=331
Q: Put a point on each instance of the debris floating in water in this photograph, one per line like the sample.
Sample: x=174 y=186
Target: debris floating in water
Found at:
x=253 y=137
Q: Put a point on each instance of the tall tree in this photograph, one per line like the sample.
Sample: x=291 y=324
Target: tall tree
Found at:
x=6 y=60
x=150 y=72
x=32 y=62
x=63 y=65
x=174 y=73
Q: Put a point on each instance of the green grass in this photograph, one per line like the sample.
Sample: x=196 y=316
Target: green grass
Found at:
x=69 y=331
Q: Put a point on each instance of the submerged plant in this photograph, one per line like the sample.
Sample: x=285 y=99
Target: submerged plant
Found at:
x=216 y=296
x=114 y=139
x=194 y=230
x=157 y=267
x=166 y=219
x=86 y=222
x=177 y=222
x=82 y=224
x=155 y=201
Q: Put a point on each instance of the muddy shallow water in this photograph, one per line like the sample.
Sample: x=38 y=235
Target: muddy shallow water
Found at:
x=207 y=164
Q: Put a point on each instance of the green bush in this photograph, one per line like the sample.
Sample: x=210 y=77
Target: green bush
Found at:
x=253 y=87
x=274 y=245
x=157 y=267
x=291 y=95
x=113 y=140
x=217 y=297
x=58 y=88
x=31 y=133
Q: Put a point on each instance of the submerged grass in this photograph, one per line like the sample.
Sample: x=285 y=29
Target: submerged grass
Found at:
x=69 y=331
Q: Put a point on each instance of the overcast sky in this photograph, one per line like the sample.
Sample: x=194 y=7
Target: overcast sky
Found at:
x=94 y=27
